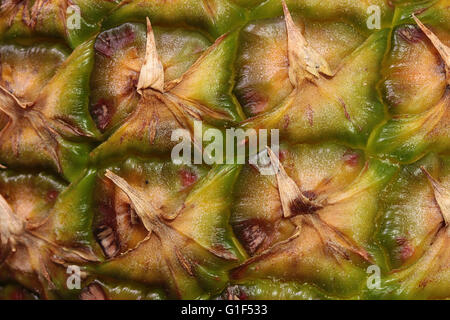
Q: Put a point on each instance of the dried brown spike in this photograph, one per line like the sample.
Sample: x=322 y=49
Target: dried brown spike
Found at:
x=292 y=199
x=152 y=71
x=335 y=241
x=443 y=50
x=441 y=194
x=304 y=61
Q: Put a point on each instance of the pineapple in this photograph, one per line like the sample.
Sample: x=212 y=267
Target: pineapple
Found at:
x=93 y=205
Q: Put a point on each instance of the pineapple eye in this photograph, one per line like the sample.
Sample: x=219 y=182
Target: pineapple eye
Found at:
x=119 y=57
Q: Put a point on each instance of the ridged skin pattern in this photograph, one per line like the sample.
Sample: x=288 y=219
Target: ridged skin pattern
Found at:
x=93 y=206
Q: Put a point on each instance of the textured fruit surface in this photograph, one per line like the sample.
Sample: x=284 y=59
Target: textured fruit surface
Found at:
x=94 y=206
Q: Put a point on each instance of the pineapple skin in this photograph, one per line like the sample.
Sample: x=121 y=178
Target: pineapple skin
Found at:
x=93 y=207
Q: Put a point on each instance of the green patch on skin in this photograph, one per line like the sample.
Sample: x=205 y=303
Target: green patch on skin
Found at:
x=70 y=223
x=407 y=138
x=431 y=12
x=273 y=290
x=407 y=223
x=355 y=12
